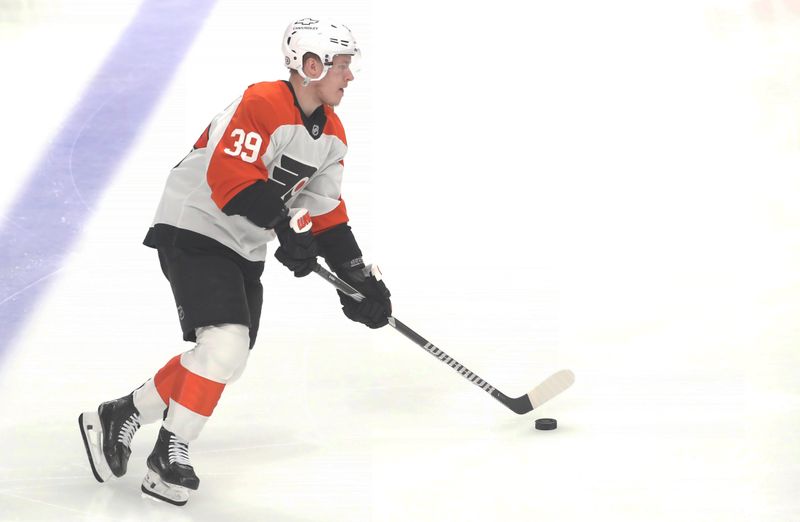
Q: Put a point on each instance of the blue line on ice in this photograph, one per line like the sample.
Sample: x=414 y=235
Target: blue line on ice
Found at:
x=47 y=217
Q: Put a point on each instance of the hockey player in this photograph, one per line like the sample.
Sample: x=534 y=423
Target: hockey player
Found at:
x=269 y=166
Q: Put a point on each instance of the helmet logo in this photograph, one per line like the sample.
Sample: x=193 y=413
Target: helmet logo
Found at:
x=307 y=21
x=287 y=60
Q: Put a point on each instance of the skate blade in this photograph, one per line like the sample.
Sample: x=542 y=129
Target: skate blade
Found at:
x=157 y=488
x=92 y=434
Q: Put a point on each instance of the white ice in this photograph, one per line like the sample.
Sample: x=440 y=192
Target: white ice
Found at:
x=610 y=187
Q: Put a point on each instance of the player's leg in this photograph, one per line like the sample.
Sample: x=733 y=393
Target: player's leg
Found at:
x=210 y=292
x=208 y=289
x=217 y=360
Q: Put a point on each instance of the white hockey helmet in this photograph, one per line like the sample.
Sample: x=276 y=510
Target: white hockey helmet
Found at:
x=321 y=37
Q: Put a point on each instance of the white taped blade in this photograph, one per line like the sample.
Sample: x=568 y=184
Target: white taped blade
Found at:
x=550 y=387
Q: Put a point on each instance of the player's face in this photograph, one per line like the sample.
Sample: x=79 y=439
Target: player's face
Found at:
x=332 y=86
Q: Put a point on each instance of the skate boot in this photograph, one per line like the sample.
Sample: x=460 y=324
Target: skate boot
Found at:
x=170 y=475
x=107 y=435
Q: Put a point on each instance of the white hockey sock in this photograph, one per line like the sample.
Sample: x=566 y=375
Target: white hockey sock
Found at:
x=183 y=422
x=148 y=402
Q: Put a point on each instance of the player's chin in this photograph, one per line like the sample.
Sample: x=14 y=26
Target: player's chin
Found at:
x=336 y=99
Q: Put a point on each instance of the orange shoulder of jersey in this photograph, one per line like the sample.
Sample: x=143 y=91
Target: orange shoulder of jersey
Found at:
x=271 y=104
x=235 y=161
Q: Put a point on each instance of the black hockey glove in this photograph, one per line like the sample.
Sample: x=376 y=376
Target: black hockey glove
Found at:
x=298 y=250
x=339 y=248
x=373 y=311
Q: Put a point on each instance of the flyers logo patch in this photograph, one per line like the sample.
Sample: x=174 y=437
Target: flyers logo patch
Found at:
x=292 y=175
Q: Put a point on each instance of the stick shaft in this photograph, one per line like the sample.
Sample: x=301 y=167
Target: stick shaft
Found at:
x=412 y=335
x=441 y=355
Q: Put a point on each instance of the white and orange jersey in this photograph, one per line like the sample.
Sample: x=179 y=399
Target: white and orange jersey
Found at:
x=262 y=137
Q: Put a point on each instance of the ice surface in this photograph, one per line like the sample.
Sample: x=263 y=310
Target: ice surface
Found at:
x=607 y=187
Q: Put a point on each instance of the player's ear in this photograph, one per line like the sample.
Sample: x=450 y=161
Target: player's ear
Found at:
x=312 y=65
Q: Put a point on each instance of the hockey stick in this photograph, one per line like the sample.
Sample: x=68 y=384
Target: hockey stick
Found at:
x=546 y=390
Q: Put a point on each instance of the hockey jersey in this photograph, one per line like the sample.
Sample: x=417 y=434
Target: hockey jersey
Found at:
x=263 y=136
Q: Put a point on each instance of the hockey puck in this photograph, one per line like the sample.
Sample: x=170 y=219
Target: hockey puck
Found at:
x=546 y=424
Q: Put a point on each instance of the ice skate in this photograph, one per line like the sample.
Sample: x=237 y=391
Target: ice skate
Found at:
x=170 y=475
x=107 y=435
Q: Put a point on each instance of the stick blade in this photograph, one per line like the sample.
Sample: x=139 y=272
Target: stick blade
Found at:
x=550 y=387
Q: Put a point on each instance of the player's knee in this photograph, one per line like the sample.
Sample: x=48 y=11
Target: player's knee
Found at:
x=222 y=351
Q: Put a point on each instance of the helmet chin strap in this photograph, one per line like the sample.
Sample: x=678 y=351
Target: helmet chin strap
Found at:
x=307 y=80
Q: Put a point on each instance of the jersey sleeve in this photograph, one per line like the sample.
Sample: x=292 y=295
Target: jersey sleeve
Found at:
x=236 y=171
x=337 y=244
x=323 y=194
x=322 y=197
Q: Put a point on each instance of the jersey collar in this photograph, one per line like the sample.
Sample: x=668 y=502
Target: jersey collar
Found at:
x=314 y=123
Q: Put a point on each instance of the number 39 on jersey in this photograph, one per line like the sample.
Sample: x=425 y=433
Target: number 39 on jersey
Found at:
x=246 y=145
